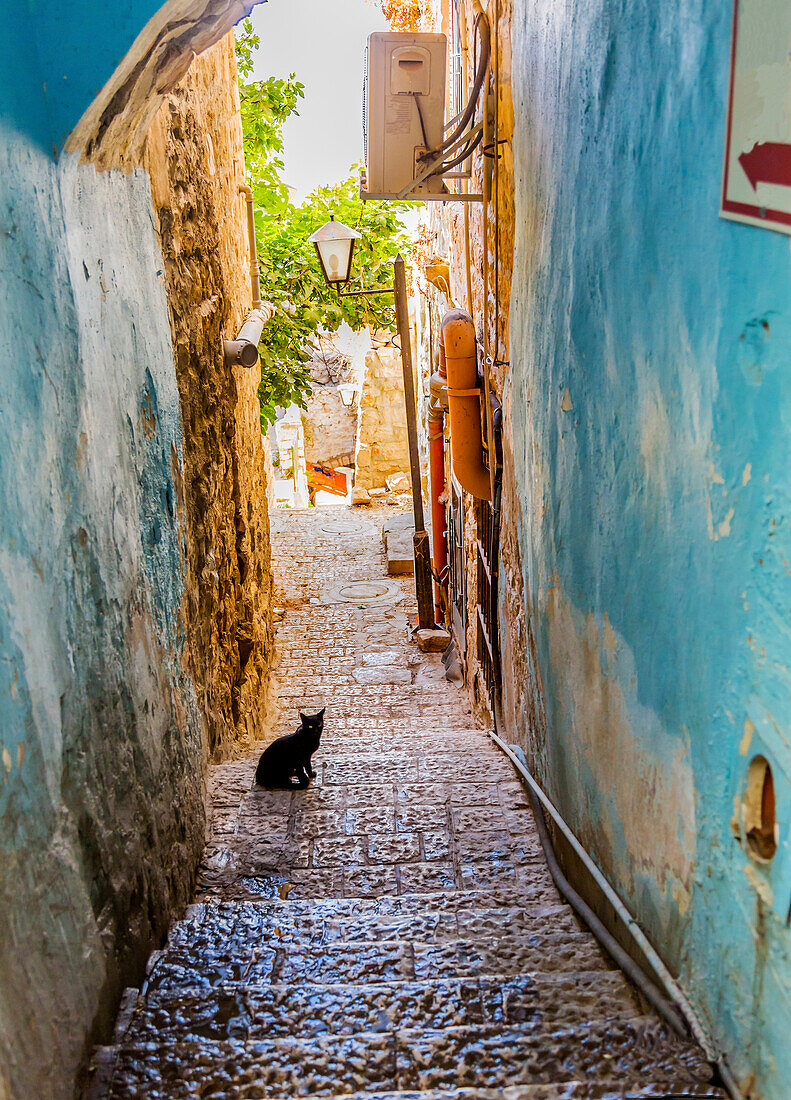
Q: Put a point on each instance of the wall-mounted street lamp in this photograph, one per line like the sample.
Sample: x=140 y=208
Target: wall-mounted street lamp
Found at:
x=334 y=243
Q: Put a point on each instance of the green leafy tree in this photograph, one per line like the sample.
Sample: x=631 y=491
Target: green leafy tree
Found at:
x=291 y=278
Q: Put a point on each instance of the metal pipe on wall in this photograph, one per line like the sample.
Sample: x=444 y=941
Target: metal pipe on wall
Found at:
x=626 y=920
x=436 y=442
x=255 y=282
x=422 y=549
x=464 y=403
x=243 y=351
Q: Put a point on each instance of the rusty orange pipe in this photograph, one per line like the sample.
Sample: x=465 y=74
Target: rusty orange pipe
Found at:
x=464 y=403
x=436 y=445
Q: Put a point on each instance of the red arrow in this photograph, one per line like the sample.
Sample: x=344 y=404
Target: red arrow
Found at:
x=767 y=162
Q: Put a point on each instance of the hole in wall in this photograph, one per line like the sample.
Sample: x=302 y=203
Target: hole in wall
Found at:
x=758 y=811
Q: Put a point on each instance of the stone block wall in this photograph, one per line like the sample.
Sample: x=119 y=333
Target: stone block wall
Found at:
x=490 y=233
x=382 y=444
x=291 y=486
x=330 y=427
x=194 y=156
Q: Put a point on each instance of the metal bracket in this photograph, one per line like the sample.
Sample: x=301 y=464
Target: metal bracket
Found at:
x=462 y=139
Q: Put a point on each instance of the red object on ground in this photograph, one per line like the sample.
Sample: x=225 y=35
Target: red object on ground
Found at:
x=326 y=479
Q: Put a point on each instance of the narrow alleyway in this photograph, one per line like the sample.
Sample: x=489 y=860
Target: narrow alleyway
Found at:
x=393 y=929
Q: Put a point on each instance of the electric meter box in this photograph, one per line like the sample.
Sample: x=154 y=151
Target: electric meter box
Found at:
x=403 y=112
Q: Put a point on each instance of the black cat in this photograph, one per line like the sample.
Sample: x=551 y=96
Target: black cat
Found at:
x=288 y=758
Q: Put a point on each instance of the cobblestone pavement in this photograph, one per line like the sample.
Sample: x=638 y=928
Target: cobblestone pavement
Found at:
x=393 y=929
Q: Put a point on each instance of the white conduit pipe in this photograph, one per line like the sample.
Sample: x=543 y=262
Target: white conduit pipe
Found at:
x=670 y=985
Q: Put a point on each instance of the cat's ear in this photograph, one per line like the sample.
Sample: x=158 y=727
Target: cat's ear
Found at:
x=302 y=716
x=321 y=712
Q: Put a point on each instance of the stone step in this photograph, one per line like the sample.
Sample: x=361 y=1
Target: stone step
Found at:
x=305 y=887
x=248 y=1012
x=366 y=837
x=249 y=875
x=362 y=963
x=253 y=802
x=624 y=1053
x=569 y=1090
x=433 y=919
x=359 y=769
x=388 y=905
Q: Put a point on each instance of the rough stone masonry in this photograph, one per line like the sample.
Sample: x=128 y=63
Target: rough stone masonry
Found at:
x=393 y=930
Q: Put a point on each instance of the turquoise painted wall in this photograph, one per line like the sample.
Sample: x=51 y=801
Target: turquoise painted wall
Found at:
x=101 y=741
x=56 y=58
x=102 y=745
x=650 y=405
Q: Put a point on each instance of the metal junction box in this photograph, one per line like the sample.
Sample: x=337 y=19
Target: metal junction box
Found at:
x=403 y=112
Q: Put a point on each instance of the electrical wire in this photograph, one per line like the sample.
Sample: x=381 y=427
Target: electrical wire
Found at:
x=469 y=110
x=422 y=121
x=447 y=165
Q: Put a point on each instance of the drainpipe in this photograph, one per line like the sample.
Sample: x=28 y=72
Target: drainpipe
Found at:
x=464 y=403
x=255 y=284
x=436 y=442
x=243 y=351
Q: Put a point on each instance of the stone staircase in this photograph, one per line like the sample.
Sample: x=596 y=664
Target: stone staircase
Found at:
x=460 y=992
x=393 y=931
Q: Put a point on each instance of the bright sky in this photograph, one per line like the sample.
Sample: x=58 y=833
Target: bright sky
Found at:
x=323 y=42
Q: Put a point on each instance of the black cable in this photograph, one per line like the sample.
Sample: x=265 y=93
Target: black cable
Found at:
x=422 y=122
x=469 y=110
x=466 y=151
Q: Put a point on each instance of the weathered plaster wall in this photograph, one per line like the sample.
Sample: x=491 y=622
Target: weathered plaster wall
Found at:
x=649 y=400
x=101 y=811
x=92 y=79
x=194 y=155
x=103 y=740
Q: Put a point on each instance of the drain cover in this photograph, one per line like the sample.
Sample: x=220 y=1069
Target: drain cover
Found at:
x=372 y=593
x=335 y=527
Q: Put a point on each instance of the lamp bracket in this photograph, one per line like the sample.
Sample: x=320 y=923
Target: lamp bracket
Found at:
x=363 y=293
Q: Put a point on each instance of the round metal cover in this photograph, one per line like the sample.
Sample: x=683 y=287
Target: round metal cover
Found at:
x=332 y=528
x=370 y=593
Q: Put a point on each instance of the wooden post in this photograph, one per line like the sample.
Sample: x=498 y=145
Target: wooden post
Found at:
x=422 y=549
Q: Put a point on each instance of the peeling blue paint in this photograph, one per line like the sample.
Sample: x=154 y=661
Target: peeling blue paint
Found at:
x=660 y=498
x=101 y=742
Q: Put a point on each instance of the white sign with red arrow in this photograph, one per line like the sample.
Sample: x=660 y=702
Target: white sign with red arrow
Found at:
x=757 y=179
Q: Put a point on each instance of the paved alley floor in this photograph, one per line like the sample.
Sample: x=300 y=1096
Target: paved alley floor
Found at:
x=393 y=929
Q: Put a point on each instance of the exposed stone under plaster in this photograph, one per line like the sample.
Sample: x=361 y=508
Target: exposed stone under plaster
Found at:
x=194 y=154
